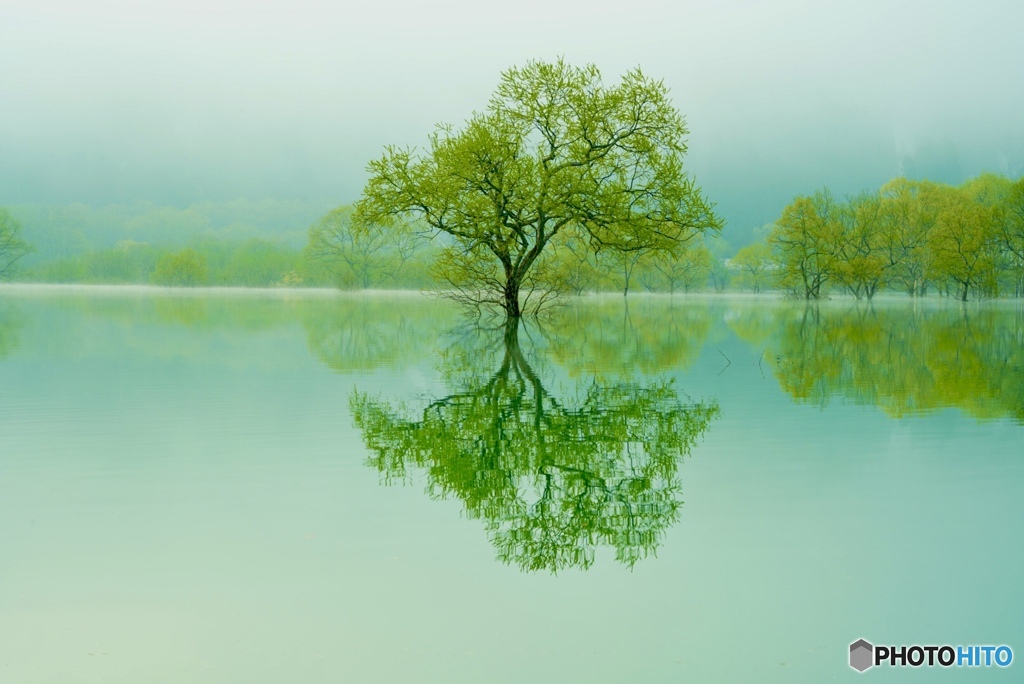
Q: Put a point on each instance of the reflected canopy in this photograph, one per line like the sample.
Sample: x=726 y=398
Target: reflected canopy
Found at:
x=553 y=477
x=903 y=359
x=11 y=321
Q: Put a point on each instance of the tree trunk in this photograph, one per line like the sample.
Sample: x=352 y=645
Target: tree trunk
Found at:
x=511 y=303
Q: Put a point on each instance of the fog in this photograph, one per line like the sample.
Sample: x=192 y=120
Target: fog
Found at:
x=177 y=102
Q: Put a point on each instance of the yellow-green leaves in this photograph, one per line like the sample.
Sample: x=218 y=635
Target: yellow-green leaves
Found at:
x=965 y=241
x=186 y=268
x=556 y=153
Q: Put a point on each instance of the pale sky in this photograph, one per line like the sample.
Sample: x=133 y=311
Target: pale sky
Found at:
x=105 y=101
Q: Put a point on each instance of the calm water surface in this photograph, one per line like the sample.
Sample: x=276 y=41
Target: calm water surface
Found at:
x=275 y=487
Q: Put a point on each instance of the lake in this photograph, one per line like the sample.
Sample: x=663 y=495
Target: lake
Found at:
x=277 y=486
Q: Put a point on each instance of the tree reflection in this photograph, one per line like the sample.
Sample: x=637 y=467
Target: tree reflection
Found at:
x=553 y=478
x=356 y=334
x=902 y=359
x=11 y=321
x=619 y=337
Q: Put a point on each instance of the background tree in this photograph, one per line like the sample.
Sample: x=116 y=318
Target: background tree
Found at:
x=359 y=257
x=12 y=247
x=686 y=268
x=909 y=212
x=574 y=265
x=964 y=245
x=755 y=266
x=996 y=194
x=186 y=268
x=625 y=265
x=555 y=151
x=720 y=249
x=1012 y=232
x=861 y=264
x=805 y=241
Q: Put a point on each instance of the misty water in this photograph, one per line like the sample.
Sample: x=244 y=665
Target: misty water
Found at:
x=269 y=487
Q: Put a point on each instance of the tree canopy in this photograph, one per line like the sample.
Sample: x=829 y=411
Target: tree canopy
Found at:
x=963 y=240
x=556 y=154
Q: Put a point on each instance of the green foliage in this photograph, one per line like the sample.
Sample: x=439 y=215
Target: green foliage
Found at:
x=12 y=247
x=553 y=478
x=556 y=152
x=186 y=268
x=365 y=256
x=963 y=246
x=805 y=241
x=755 y=266
x=1012 y=234
x=686 y=268
x=861 y=265
x=573 y=266
x=963 y=241
x=910 y=210
x=250 y=263
x=64 y=232
x=127 y=262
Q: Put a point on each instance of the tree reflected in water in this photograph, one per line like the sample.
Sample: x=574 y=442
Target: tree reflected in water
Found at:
x=11 y=321
x=622 y=338
x=554 y=477
x=904 y=359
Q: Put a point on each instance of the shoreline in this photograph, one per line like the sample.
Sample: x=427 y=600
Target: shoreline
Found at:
x=140 y=290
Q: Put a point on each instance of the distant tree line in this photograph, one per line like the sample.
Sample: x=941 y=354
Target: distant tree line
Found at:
x=917 y=237
x=962 y=241
x=249 y=263
x=349 y=256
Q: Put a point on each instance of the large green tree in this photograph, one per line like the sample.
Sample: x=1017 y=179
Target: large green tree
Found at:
x=556 y=151
x=12 y=247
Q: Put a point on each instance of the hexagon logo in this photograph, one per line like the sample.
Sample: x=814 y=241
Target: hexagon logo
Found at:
x=862 y=655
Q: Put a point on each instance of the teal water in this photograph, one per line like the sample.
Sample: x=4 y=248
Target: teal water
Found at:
x=280 y=487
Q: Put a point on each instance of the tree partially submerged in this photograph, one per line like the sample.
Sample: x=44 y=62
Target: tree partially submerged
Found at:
x=556 y=152
x=805 y=240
